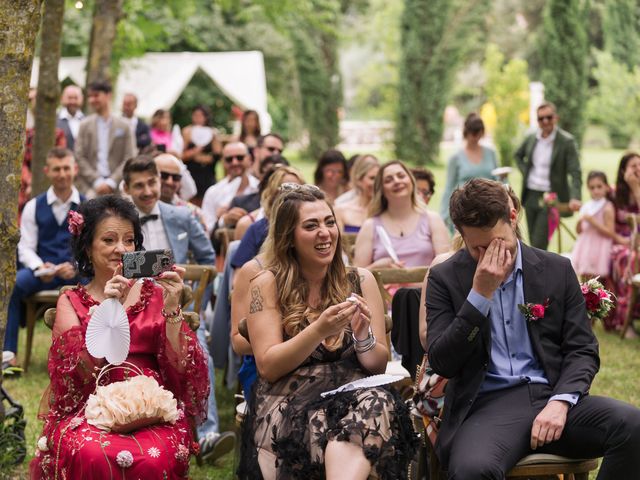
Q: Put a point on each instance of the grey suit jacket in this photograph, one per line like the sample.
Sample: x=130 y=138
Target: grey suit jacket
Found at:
x=121 y=148
x=459 y=336
x=185 y=233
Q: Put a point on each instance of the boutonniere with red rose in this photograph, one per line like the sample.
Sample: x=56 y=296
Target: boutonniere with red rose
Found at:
x=599 y=300
x=534 y=311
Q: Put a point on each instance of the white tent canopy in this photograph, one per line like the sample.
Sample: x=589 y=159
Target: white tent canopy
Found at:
x=158 y=79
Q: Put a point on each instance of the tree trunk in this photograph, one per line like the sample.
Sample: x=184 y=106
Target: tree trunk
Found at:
x=19 y=23
x=106 y=15
x=48 y=91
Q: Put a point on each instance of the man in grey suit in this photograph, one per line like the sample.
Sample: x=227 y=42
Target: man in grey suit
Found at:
x=519 y=381
x=103 y=144
x=168 y=226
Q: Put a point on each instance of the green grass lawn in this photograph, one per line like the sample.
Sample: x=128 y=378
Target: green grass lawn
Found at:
x=620 y=358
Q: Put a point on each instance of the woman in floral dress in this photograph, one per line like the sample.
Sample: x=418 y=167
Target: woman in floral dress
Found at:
x=162 y=347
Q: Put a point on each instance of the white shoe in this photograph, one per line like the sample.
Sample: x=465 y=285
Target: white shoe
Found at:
x=7 y=356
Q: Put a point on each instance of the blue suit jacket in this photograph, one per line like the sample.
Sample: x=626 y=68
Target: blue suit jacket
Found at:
x=185 y=233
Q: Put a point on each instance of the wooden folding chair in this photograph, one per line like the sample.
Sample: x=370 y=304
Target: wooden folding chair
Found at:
x=36 y=305
x=348 y=244
x=198 y=277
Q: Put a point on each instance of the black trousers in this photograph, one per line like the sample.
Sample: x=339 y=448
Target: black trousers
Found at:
x=496 y=434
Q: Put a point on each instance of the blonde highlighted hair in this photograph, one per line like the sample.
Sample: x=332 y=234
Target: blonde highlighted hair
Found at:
x=282 y=260
x=271 y=190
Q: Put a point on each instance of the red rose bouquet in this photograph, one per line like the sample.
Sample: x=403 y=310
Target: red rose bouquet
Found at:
x=599 y=301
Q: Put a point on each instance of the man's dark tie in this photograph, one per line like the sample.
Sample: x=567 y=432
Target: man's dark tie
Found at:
x=148 y=218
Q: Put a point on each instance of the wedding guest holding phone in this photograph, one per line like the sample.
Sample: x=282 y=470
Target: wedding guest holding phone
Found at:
x=162 y=347
x=43 y=250
x=415 y=234
x=315 y=326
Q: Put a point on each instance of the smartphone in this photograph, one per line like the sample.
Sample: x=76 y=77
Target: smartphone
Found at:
x=146 y=263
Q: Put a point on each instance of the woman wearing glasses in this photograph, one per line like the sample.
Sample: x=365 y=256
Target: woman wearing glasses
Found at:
x=472 y=161
x=314 y=327
x=331 y=174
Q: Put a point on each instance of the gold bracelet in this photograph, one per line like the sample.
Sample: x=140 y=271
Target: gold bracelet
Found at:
x=173 y=320
x=172 y=317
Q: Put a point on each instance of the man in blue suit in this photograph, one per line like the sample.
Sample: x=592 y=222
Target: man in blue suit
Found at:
x=168 y=226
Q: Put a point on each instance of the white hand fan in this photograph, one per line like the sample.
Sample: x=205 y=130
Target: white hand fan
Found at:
x=367 y=382
x=108 y=334
x=201 y=136
x=386 y=243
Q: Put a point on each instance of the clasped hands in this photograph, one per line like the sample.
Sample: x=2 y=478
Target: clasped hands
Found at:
x=336 y=318
x=170 y=281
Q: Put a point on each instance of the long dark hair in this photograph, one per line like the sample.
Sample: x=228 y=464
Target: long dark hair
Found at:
x=94 y=211
x=243 y=126
x=621 y=196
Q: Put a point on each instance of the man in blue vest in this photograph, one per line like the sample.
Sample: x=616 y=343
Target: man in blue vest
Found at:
x=44 y=251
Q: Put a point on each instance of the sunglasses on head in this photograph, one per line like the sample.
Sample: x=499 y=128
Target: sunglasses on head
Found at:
x=176 y=177
x=231 y=158
x=296 y=187
x=543 y=118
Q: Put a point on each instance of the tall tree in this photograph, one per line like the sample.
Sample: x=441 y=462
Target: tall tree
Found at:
x=564 y=50
x=620 y=27
x=436 y=34
x=106 y=16
x=48 y=91
x=19 y=22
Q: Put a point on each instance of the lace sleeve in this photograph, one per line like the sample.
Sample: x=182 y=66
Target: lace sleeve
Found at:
x=185 y=373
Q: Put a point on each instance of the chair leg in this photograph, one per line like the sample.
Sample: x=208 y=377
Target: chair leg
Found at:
x=581 y=476
x=31 y=324
x=629 y=317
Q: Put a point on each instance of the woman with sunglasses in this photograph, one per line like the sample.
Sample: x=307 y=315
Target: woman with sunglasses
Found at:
x=472 y=161
x=315 y=326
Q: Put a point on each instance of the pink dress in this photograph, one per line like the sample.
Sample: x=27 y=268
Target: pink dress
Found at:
x=592 y=251
x=74 y=449
x=414 y=249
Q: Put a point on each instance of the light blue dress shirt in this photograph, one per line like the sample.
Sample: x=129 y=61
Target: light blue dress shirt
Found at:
x=513 y=361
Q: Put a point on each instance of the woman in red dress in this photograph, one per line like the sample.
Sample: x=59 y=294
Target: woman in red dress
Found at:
x=162 y=347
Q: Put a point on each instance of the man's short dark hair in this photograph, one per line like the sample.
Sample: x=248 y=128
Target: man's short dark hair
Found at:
x=99 y=86
x=262 y=138
x=420 y=173
x=141 y=163
x=479 y=203
x=59 y=153
x=275 y=159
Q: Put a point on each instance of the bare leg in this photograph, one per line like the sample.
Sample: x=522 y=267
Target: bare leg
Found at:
x=345 y=460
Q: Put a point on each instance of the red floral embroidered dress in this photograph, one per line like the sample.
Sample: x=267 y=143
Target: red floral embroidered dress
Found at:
x=72 y=449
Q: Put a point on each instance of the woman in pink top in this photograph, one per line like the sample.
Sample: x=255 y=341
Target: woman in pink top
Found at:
x=161 y=131
x=416 y=234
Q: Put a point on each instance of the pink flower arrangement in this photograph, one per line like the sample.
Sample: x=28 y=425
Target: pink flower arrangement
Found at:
x=549 y=199
x=534 y=311
x=76 y=223
x=598 y=300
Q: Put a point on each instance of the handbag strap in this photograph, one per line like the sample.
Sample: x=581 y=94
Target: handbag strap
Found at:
x=126 y=366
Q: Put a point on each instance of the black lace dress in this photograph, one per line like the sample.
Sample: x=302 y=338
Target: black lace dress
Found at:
x=289 y=420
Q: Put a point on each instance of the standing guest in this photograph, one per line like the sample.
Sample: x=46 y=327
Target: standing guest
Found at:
x=238 y=181
x=202 y=150
x=473 y=161
x=103 y=144
x=591 y=256
x=331 y=174
x=70 y=114
x=138 y=126
x=266 y=146
x=549 y=162
x=425 y=183
x=250 y=129
x=308 y=339
x=161 y=135
x=43 y=249
x=626 y=201
x=167 y=227
x=518 y=382
x=162 y=346
x=352 y=213
x=417 y=235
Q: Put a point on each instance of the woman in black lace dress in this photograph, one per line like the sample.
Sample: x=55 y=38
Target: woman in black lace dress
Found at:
x=314 y=326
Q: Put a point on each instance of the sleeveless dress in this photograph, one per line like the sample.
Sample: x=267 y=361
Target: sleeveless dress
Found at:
x=592 y=251
x=414 y=249
x=290 y=419
x=70 y=448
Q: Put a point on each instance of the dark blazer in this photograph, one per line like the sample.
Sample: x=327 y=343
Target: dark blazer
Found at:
x=459 y=336
x=565 y=163
x=63 y=124
x=143 y=134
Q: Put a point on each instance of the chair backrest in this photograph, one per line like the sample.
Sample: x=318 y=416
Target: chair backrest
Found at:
x=389 y=276
x=349 y=243
x=199 y=276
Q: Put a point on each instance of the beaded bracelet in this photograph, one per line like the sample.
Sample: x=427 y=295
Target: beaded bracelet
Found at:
x=172 y=317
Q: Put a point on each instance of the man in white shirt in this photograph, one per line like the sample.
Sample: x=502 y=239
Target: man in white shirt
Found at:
x=70 y=114
x=138 y=126
x=44 y=249
x=548 y=159
x=103 y=144
x=238 y=181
